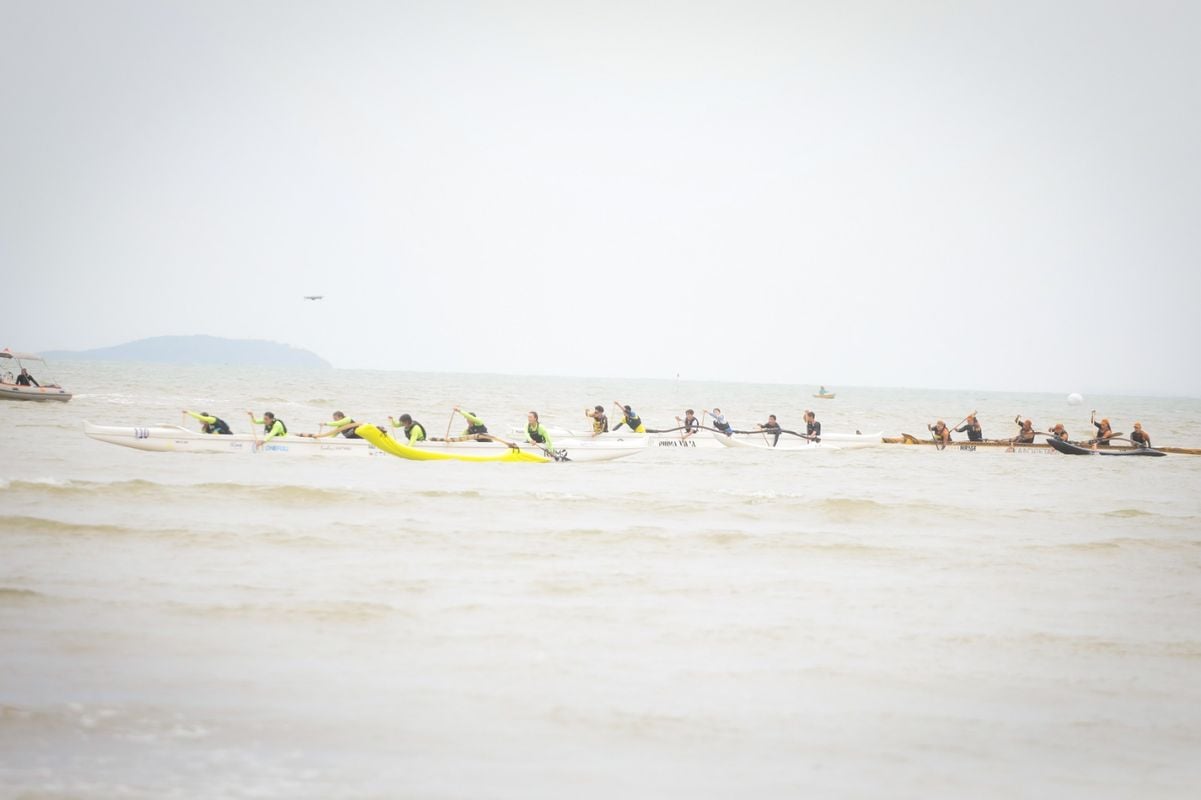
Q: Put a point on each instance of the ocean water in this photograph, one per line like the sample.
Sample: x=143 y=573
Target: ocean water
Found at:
x=893 y=621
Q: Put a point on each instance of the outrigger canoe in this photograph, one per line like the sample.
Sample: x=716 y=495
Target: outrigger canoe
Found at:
x=1006 y=445
x=565 y=450
x=1074 y=449
x=177 y=439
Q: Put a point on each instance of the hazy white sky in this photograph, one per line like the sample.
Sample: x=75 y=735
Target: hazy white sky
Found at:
x=970 y=195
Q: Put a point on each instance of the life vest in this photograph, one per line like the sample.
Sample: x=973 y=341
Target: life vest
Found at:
x=349 y=432
x=219 y=426
x=267 y=428
x=474 y=429
x=600 y=424
x=721 y=425
x=633 y=420
x=1140 y=438
x=813 y=428
x=692 y=424
x=409 y=429
x=534 y=435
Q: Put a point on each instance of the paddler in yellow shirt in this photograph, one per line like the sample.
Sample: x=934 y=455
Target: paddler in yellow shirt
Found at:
x=272 y=427
x=476 y=431
x=414 y=431
x=209 y=423
x=535 y=432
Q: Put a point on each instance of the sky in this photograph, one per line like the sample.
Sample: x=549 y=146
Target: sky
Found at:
x=1001 y=195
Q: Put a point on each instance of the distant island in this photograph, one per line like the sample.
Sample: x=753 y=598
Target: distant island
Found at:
x=200 y=350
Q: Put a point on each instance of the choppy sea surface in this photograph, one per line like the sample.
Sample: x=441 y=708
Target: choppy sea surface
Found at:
x=892 y=621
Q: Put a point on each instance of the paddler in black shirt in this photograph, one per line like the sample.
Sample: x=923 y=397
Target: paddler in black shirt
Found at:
x=690 y=423
x=771 y=426
x=25 y=379
x=972 y=428
x=813 y=428
x=1139 y=436
x=1059 y=432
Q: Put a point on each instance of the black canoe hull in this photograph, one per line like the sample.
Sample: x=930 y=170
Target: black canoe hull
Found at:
x=1073 y=449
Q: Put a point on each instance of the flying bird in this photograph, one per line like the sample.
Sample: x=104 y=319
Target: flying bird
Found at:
x=314 y=296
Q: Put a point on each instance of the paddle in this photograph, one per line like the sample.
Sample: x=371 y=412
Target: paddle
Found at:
x=253 y=432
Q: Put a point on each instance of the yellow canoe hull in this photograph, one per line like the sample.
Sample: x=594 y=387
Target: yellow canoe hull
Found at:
x=401 y=450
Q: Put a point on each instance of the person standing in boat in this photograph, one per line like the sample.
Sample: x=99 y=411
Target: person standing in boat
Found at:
x=719 y=421
x=209 y=423
x=941 y=433
x=1059 y=432
x=535 y=432
x=971 y=426
x=1025 y=432
x=1104 y=432
x=1139 y=436
x=600 y=422
x=629 y=418
x=414 y=431
x=476 y=430
x=25 y=379
x=272 y=427
x=690 y=424
x=813 y=428
x=342 y=424
x=771 y=426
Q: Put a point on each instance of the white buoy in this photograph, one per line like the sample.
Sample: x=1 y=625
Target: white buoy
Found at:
x=1075 y=399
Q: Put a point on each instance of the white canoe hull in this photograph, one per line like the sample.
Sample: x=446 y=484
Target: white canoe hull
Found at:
x=791 y=444
x=175 y=439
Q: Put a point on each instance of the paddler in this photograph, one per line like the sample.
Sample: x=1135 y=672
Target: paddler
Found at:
x=476 y=430
x=209 y=423
x=1026 y=432
x=689 y=423
x=535 y=432
x=628 y=417
x=1059 y=432
x=813 y=428
x=941 y=432
x=272 y=427
x=971 y=426
x=1104 y=432
x=414 y=431
x=342 y=424
x=719 y=421
x=771 y=426
x=600 y=422
x=1139 y=436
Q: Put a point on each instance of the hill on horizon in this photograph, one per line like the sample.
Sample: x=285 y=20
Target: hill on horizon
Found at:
x=199 y=349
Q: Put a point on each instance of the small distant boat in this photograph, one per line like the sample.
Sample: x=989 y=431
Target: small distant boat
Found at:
x=11 y=390
x=822 y=394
